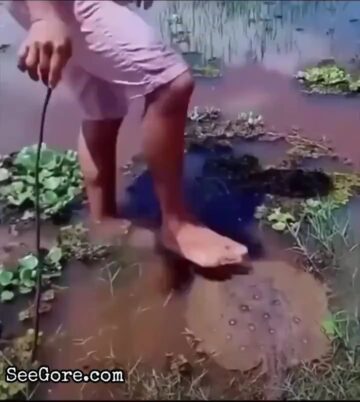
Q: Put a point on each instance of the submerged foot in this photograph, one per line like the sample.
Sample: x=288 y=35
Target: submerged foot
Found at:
x=201 y=245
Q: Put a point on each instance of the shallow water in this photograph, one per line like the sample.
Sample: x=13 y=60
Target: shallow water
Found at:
x=261 y=45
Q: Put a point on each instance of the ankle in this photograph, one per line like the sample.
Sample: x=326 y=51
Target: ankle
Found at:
x=174 y=219
x=101 y=208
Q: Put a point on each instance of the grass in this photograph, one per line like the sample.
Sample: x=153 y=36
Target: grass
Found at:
x=324 y=237
x=336 y=379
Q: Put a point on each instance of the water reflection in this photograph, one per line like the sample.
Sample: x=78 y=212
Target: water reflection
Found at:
x=280 y=34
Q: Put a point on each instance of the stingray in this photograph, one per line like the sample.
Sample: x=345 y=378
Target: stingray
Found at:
x=270 y=318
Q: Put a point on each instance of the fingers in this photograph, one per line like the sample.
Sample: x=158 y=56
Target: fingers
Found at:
x=44 y=62
x=58 y=61
x=29 y=60
x=56 y=65
x=24 y=50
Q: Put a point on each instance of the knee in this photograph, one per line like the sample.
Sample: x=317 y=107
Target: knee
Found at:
x=182 y=87
x=175 y=96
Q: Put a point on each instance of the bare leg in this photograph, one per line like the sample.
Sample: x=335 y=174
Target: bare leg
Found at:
x=164 y=126
x=97 y=155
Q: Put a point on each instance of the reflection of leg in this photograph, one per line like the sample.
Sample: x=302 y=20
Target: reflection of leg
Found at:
x=97 y=154
x=164 y=126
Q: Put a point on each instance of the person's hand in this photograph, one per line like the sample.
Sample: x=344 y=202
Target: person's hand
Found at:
x=45 y=51
x=146 y=3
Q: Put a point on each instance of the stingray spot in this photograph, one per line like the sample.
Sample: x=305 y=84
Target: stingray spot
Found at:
x=304 y=341
x=232 y=322
x=221 y=315
x=256 y=296
x=271 y=331
x=228 y=337
x=296 y=320
x=251 y=327
x=244 y=307
x=242 y=348
x=275 y=302
x=266 y=316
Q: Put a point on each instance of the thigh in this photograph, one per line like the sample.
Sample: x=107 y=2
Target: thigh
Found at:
x=98 y=99
x=114 y=44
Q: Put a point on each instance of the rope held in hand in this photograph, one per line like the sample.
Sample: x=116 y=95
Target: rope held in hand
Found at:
x=38 y=229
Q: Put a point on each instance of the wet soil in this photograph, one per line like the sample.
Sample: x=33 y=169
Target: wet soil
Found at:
x=145 y=311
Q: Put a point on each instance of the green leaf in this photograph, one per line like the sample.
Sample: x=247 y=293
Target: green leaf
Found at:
x=44 y=174
x=329 y=326
x=29 y=179
x=279 y=226
x=50 y=198
x=7 y=295
x=29 y=262
x=52 y=183
x=26 y=158
x=48 y=159
x=18 y=199
x=5 y=277
x=55 y=255
x=26 y=278
x=24 y=290
x=17 y=186
x=4 y=174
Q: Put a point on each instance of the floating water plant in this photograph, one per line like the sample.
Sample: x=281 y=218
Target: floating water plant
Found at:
x=21 y=279
x=74 y=243
x=280 y=220
x=328 y=79
x=60 y=180
x=206 y=71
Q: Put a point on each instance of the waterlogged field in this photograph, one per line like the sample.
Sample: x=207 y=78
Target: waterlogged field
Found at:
x=272 y=160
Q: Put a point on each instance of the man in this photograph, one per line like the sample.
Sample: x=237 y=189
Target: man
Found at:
x=109 y=48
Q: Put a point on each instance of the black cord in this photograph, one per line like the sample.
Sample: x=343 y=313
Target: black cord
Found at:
x=38 y=228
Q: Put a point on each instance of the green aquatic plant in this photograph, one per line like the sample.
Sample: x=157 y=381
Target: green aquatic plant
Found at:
x=21 y=279
x=281 y=212
x=341 y=327
x=328 y=78
x=346 y=185
x=280 y=220
x=206 y=71
x=74 y=242
x=60 y=180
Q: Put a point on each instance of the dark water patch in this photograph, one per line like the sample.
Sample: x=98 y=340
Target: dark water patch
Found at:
x=224 y=191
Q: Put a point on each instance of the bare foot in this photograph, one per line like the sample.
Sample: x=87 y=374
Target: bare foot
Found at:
x=109 y=228
x=201 y=245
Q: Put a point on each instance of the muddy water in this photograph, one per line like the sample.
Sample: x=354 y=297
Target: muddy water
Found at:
x=142 y=315
x=261 y=46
